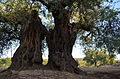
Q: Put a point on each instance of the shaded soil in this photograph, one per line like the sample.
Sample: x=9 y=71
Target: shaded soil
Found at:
x=42 y=74
x=92 y=73
x=103 y=72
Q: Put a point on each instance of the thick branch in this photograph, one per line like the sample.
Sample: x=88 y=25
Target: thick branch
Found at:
x=83 y=27
x=51 y=3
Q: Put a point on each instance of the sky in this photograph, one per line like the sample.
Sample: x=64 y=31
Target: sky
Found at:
x=77 y=49
x=117 y=4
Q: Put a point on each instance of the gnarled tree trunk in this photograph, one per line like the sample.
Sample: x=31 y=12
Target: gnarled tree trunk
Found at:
x=60 y=42
x=29 y=53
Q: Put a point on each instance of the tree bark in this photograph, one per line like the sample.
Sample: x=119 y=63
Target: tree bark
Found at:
x=60 y=42
x=29 y=53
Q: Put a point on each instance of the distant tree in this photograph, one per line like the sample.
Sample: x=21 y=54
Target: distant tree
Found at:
x=98 y=57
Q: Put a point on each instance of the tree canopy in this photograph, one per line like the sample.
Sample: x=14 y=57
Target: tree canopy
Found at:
x=103 y=20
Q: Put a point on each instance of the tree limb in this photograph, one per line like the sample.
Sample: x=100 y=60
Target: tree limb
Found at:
x=83 y=26
x=43 y=2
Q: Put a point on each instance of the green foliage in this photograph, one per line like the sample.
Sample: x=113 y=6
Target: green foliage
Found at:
x=14 y=11
x=80 y=62
x=108 y=32
x=98 y=57
x=5 y=62
x=117 y=61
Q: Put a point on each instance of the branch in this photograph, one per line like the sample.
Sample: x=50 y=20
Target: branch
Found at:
x=49 y=4
x=43 y=2
x=83 y=26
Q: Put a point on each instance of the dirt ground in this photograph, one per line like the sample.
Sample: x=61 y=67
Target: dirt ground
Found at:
x=103 y=72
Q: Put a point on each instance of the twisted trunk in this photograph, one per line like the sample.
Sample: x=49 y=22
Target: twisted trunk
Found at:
x=29 y=53
x=60 y=42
